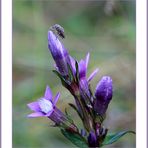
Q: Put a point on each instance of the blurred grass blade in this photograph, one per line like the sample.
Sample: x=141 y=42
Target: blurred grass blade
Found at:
x=111 y=138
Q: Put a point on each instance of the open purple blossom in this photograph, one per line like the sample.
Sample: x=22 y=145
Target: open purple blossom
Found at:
x=46 y=107
x=58 y=52
x=103 y=95
x=43 y=106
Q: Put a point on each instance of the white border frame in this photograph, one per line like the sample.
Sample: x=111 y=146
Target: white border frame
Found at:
x=6 y=75
x=141 y=74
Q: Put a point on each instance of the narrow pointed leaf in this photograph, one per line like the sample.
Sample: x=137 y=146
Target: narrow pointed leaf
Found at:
x=111 y=138
x=77 y=71
x=61 y=78
x=66 y=111
x=75 y=138
x=68 y=116
x=70 y=73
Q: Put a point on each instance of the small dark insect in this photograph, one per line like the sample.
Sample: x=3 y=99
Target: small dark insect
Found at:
x=58 y=30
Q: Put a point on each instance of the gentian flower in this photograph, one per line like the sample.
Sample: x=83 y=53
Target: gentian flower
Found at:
x=59 y=53
x=103 y=95
x=83 y=81
x=90 y=108
x=46 y=107
x=82 y=65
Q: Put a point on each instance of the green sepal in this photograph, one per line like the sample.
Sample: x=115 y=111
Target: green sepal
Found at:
x=70 y=73
x=75 y=138
x=77 y=71
x=64 y=83
x=111 y=138
x=66 y=112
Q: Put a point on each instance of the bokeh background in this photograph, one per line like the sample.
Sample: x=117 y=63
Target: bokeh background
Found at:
x=106 y=29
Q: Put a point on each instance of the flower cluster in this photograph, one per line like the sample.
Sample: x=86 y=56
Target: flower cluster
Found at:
x=90 y=106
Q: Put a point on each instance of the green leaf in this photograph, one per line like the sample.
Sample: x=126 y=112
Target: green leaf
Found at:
x=111 y=138
x=75 y=138
x=68 y=116
x=70 y=73
x=77 y=71
x=66 y=112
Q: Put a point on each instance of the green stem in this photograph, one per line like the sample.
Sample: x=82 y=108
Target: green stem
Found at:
x=87 y=122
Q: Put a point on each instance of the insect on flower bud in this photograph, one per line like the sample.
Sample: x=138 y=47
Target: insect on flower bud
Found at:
x=58 y=52
x=58 y=30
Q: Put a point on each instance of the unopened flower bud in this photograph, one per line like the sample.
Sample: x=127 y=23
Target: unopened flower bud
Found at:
x=103 y=95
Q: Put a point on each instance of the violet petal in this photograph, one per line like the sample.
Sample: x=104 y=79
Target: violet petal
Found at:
x=87 y=60
x=82 y=69
x=92 y=75
x=56 y=99
x=72 y=63
x=48 y=93
x=34 y=106
x=36 y=114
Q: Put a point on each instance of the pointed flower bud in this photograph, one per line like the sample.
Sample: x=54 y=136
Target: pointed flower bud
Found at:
x=58 y=52
x=92 y=139
x=103 y=95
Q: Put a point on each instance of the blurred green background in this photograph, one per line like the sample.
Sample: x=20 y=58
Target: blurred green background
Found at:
x=106 y=29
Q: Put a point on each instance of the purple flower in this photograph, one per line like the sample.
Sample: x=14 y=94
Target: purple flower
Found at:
x=62 y=59
x=46 y=107
x=84 y=82
x=103 y=95
x=59 y=53
x=82 y=65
